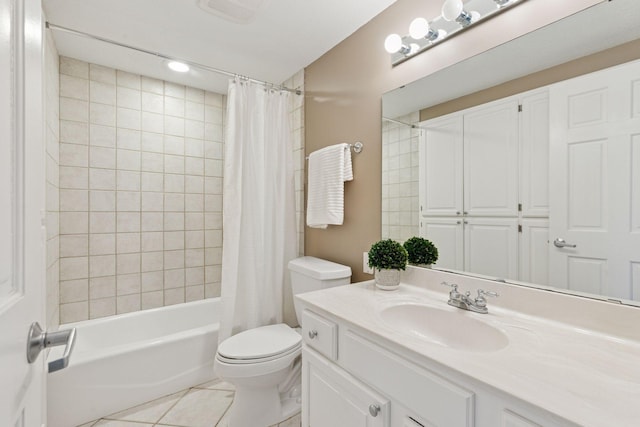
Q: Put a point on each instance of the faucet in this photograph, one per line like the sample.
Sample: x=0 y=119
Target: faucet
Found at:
x=465 y=302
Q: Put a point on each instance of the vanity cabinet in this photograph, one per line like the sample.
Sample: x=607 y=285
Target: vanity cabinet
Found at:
x=373 y=384
x=483 y=177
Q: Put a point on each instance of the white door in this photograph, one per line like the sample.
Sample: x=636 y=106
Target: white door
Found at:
x=332 y=397
x=534 y=155
x=22 y=198
x=534 y=251
x=491 y=159
x=491 y=247
x=595 y=183
x=447 y=235
x=441 y=166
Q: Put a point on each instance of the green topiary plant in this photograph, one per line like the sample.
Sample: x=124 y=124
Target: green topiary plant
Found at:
x=387 y=254
x=421 y=251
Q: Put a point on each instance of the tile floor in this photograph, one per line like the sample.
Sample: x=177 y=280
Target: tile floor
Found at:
x=205 y=405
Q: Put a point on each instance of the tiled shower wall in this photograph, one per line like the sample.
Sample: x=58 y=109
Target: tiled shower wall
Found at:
x=52 y=126
x=140 y=192
x=400 y=176
x=297 y=129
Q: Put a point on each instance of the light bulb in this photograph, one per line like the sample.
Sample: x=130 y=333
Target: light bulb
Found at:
x=419 y=28
x=393 y=43
x=179 y=67
x=451 y=9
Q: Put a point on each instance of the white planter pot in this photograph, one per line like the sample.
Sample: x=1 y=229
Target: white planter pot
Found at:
x=387 y=280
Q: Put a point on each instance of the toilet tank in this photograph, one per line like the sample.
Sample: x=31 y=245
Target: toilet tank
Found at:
x=311 y=274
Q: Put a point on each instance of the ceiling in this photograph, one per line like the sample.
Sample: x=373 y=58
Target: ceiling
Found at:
x=282 y=38
x=597 y=28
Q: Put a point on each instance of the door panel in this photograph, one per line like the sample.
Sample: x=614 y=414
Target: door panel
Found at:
x=587 y=274
x=447 y=235
x=534 y=157
x=441 y=167
x=534 y=251
x=491 y=247
x=491 y=160
x=587 y=186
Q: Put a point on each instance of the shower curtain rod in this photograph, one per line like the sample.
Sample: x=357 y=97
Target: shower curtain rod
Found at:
x=401 y=123
x=168 y=58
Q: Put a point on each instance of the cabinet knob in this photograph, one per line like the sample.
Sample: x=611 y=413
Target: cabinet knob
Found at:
x=374 y=409
x=313 y=334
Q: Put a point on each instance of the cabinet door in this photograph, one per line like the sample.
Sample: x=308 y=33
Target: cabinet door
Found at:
x=491 y=247
x=332 y=397
x=441 y=166
x=448 y=236
x=534 y=251
x=534 y=157
x=491 y=160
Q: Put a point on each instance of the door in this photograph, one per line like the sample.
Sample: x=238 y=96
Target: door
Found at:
x=332 y=397
x=448 y=236
x=21 y=206
x=441 y=166
x=534 y=251
x=491 y=247
x=491 y=159
x=595 y=183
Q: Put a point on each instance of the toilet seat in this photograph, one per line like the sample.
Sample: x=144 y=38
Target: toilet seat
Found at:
x=258 y=351
x=260 y=344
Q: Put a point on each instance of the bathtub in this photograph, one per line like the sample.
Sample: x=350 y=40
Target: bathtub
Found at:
x=125 y=360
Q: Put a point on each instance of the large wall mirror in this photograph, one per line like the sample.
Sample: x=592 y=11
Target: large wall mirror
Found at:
x=434 y=154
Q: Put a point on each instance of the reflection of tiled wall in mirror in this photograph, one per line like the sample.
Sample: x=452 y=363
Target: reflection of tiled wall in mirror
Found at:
x=400 y=202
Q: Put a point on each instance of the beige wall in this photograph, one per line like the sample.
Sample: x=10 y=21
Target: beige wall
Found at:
x=343 y=92
x=588 y=64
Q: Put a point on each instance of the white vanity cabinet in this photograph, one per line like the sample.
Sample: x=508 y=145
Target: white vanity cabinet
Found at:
x=370 y=384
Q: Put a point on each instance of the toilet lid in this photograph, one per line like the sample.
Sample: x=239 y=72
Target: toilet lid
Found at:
x=260 y=343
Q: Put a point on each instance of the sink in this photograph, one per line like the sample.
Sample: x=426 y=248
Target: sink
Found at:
x=454 y=329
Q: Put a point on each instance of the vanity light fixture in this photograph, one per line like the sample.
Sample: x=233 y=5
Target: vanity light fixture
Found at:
x=456 y=16
x=393 y=44
x=420 y=29
x=453 y=10
x=179 y=67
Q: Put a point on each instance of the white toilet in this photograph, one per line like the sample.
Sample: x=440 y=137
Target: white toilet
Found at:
x=264 y=363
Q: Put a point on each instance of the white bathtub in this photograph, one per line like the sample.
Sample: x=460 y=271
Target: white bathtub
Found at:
x=122 y=361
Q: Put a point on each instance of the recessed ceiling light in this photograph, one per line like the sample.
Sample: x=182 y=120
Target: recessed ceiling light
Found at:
x=178 y=66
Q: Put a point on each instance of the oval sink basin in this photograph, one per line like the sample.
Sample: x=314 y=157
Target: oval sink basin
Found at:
x=452 y=329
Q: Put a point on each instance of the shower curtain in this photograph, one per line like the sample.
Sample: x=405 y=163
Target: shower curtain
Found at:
x=259 y=219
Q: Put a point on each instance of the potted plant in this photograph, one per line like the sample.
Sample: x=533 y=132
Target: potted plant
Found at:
x=387 y=258
x=421 y=252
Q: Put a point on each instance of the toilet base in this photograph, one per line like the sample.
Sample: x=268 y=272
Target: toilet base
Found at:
x=263 y=407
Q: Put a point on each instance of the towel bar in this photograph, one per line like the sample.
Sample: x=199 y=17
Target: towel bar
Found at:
x=356 y=147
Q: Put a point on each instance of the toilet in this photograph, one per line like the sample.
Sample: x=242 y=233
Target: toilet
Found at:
x=264 y=363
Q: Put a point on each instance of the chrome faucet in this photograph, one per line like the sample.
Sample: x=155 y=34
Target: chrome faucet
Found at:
x=465 y=302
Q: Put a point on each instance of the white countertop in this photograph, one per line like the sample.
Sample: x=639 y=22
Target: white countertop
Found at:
x=589 y=378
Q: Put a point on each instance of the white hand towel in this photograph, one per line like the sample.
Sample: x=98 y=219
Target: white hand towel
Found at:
x=329 y=168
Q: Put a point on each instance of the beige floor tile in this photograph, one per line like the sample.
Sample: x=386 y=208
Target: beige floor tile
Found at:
x=295 y=421
x=116 y=423
x=217 y=385
x=198 y=408
x=149 y=412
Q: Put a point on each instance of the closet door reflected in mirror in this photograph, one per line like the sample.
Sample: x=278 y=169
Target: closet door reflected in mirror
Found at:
x=469 y=185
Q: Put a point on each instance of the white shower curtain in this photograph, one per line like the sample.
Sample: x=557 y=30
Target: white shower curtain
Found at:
x=259 y=220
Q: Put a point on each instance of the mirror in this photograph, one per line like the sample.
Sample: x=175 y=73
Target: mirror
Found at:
x=596 y=29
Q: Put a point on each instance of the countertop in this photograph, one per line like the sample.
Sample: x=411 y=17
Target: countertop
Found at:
x=586 y=377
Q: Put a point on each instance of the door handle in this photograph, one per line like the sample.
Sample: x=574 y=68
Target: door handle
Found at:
x=39 y=340
x=560 y=243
